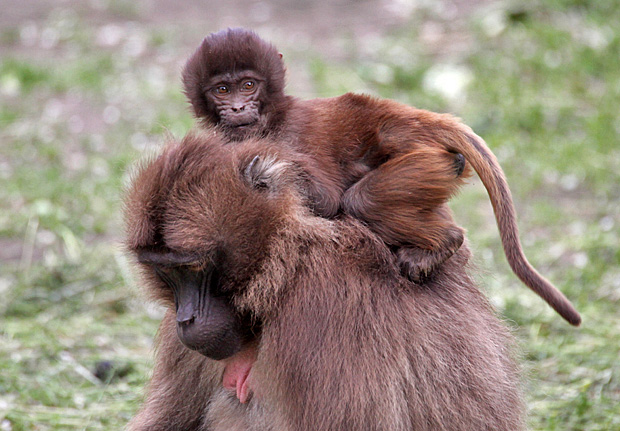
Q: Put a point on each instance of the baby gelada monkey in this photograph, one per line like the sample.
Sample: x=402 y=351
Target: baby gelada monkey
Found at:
x=362 y=153
x=236 y=81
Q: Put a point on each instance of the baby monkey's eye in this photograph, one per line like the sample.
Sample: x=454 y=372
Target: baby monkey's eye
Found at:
x=222 y=89
x=248 y=85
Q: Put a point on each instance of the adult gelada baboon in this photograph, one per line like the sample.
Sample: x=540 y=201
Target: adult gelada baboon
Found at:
x=235 y=80
x=284 y=321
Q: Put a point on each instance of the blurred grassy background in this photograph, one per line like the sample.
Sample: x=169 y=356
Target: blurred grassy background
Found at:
x=87 y=88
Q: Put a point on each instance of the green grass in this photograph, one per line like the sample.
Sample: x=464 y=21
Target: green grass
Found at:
x=540 y=82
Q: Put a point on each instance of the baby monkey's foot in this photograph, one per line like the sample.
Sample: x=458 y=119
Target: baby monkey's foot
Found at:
x=418 y=264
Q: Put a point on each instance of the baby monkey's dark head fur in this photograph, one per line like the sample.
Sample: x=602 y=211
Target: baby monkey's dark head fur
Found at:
x=236 y=80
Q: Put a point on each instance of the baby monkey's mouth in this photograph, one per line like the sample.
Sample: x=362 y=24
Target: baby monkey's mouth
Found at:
x=240 y=120
x=241 y=126
x=245 y=123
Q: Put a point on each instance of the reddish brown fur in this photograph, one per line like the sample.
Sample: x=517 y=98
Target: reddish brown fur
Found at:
x=351 y=136
x=346 y=343
x=241 y=56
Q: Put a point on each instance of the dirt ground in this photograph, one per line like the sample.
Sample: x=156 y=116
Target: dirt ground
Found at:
x=319 y=24
x=320 y=20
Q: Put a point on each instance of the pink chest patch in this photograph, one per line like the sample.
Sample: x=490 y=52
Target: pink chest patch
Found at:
x=237 y=374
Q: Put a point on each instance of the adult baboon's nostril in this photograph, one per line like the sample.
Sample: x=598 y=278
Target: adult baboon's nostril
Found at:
x=186 y=321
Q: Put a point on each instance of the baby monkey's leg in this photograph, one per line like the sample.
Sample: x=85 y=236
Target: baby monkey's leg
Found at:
x=404 y=202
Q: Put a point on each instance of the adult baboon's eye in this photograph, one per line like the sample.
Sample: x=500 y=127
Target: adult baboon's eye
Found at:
x=165 y=274
x=195 y=267
x=163 y=269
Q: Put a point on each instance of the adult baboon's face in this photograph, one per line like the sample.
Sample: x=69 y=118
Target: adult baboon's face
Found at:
x=200 y=220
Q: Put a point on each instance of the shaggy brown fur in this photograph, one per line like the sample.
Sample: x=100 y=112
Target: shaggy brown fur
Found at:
x=358 y=143
x=345 y=343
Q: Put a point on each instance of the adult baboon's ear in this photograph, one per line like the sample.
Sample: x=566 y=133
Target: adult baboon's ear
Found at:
x=265 y=172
